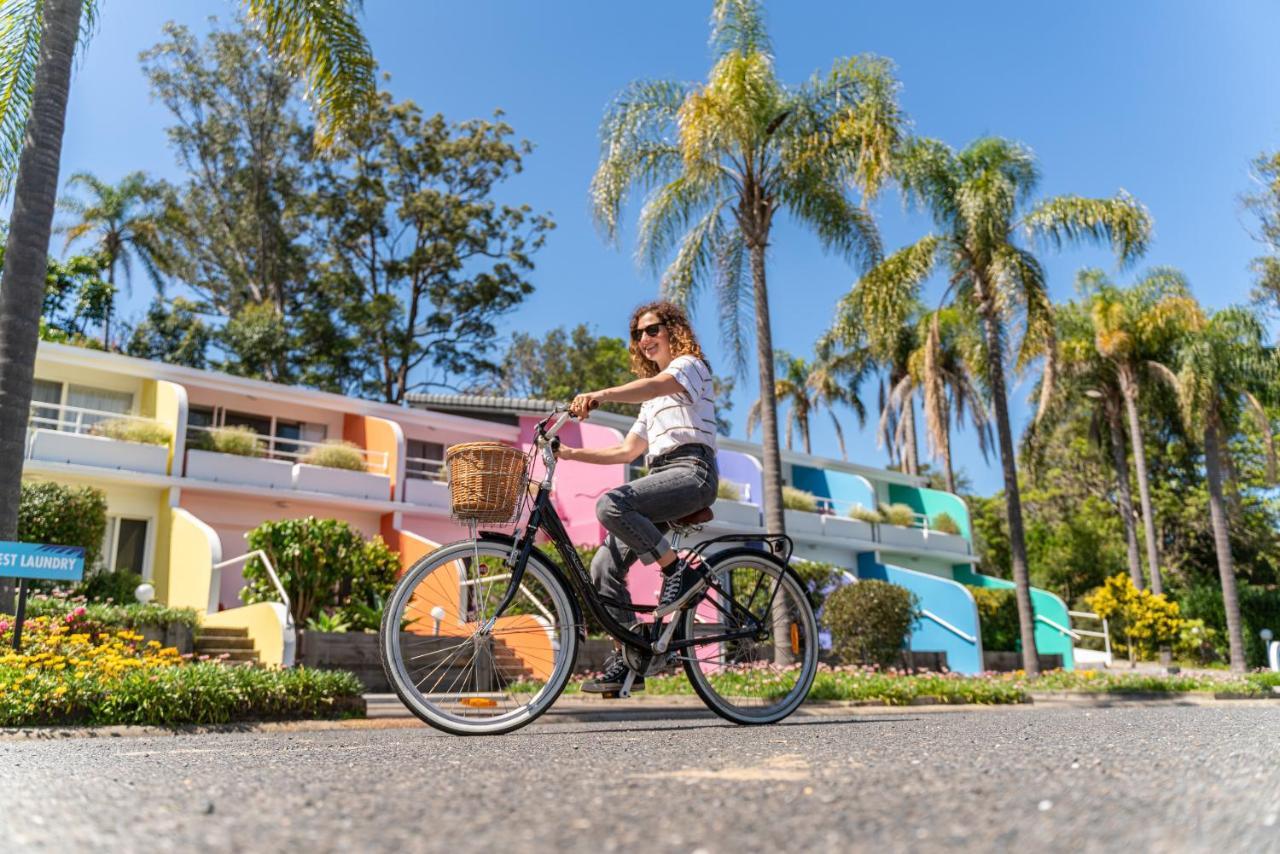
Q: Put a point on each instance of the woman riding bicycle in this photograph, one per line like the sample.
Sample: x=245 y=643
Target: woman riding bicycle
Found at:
x=676 y=430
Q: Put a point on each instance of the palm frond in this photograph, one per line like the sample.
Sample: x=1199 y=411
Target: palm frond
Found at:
x=667 y=216
x=321 y=42
x=738 y=26
x=842 y=227
x=887 y=292
x=1122 y=222
x=734 y=298
x=21 y=29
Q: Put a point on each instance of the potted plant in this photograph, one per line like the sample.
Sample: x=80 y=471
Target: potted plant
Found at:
x=132 y=444
x=898 y=526
x=801 y=511
x=234 y=455
x=859 y=524
x=732 y=510
x=339 y=468
x=944 y=533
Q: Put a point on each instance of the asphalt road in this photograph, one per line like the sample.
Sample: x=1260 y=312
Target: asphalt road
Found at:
x=1130 y=779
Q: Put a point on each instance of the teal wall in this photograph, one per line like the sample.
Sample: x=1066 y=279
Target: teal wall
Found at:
x=943 y=597
x=1048 y=639
x=932 y=502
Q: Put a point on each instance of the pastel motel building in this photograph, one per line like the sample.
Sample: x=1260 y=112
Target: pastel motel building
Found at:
x=178 y=515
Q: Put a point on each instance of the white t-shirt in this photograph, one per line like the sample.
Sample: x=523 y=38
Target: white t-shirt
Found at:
x=680 y=419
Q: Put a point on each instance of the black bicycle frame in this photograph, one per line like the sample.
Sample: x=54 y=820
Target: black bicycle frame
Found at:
x=543 y=517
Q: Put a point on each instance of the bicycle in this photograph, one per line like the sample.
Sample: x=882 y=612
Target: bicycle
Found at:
x=481 y=636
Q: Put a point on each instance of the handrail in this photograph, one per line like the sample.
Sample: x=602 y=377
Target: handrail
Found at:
x=948 y=626
x=275 y=580
x=379 y=460
x=423 y=468
x=1068 y=632
x=78 y=423
x=1105 y=634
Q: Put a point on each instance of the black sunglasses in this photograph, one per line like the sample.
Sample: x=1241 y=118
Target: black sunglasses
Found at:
x=651 y=330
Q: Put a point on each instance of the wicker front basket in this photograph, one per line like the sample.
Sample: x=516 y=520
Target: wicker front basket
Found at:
x=486 y=480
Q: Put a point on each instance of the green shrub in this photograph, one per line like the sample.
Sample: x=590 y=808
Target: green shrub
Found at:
x=241 y=441
x=131 y=430
x=322 y=563
x=998 y=618
x=945 y=523
x=869 y=621
x=107 y=586
x=898 y=514
x=728 y=491
x=1259 y=609
x=121 y=615
x=336 y=455
x=798 y=499
x=60 y=515
x=866 y=514
x=326 y=622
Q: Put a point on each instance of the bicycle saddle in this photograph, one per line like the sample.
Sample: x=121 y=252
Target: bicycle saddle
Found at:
x=700 y=517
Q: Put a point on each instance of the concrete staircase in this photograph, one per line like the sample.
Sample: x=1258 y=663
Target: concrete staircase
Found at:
x=235 y=644
x=510 y=667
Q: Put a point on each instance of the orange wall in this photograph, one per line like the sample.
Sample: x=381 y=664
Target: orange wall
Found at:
x=379 y=435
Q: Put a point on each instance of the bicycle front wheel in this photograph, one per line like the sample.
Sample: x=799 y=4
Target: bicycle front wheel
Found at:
x=765 y=677
x=456 y=674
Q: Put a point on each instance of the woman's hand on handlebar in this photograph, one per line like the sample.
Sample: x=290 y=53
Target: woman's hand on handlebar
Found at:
x=583 y=404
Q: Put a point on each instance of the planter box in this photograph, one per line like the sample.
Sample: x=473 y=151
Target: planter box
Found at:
x=232 y=468
x=178 y=635
x=738 y=513
x=356 y=484
x=426 y=493
x=946 y=542
x=846 y=528
x=358 y=652
x=803 y=522
x=1007 y=662
x=81 y=449
x=893 y=535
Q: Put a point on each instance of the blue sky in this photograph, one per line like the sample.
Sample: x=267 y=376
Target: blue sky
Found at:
x=1168 y=99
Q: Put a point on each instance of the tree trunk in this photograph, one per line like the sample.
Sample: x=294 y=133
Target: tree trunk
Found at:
x=946 y=458
x=26 y=258
x=1222 y=542
x=111 y=301
x=1012 y=497
x=774 y=520
x=1129 y=388
x=911 y=451
x=1123 y=493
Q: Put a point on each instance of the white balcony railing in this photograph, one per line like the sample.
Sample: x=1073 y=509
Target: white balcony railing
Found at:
x=77 y=435
x=76 y=419
x=423 y=468
x=295 y=450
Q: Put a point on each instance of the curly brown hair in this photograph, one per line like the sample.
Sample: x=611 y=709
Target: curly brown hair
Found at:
x=683 y=341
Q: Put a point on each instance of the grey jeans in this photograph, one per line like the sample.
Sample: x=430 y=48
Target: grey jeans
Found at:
x=679 y=482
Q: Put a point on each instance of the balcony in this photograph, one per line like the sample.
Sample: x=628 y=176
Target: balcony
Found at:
x=74 y=435
x=832 y=521
x=425 y=482
x=279 y=464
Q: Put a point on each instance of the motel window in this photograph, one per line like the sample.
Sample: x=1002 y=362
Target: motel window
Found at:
x=47 y=392
x=126 y=545
x=99 y=400
x=424 y=458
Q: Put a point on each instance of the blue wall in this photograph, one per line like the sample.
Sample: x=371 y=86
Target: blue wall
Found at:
x=844 y=488
x=943 y=597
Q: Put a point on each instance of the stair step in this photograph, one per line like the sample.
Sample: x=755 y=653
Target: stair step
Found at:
x=223 y=632
x=204 y=642
x=231 y=654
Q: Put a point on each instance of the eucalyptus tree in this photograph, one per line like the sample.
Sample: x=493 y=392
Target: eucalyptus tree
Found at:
x=1132 y=326
x=1224 y=374
x=122 y=221
x=980 y=199
x=722 y=158
x=321 y=41
x=1264 y=204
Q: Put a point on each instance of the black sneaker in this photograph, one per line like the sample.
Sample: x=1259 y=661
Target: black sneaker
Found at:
x=615 y=674
x=679 y=586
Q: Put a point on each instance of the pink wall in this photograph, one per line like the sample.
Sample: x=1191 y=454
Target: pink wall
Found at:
x=232 y=516
x=580 y=485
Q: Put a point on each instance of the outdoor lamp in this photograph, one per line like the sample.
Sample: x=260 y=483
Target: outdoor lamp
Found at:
x=1093 y=394
x=437 y=614
x=144 y=592
x=1266 y=635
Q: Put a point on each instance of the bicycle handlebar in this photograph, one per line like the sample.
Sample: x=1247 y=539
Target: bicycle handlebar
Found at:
x=545 y=433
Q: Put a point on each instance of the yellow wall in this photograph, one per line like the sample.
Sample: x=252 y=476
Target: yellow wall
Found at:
x=193 y=550
x=167 y=403
x=263 y=625
x=79 y=375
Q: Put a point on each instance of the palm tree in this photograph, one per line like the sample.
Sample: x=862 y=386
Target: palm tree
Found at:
x=319 y=41
x=1085 y=374
x=945 y=371
x=834 y=379
x=124 y=225
x=1131 y=326
x=720 y=159
x=976 y=198
x=1224 y=371
x=792 y=388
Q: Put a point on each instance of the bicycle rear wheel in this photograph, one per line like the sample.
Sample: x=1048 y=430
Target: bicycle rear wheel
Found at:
x=759 y=679
x=452 y=673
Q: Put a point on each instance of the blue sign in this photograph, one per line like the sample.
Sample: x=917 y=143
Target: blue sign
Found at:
x=47 y=563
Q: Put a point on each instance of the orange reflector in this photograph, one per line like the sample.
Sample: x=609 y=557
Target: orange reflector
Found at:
x=795 y=638
x=477 y=702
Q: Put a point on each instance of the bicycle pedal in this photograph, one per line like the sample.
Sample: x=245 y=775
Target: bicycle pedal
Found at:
x=613 y=695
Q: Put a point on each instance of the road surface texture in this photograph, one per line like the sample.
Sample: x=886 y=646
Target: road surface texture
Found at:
x=1129 y=778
